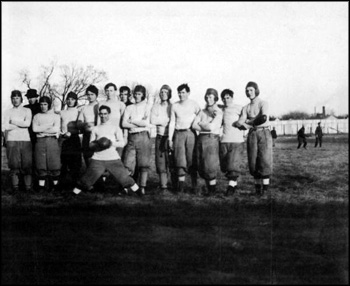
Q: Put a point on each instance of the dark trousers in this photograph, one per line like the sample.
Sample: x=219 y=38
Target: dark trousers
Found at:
x=318 y=141
x=302 y=140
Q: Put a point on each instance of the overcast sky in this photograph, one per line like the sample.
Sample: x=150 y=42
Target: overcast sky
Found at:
x=297 y=52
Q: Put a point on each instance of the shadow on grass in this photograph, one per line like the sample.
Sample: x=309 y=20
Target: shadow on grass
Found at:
x=174 y=242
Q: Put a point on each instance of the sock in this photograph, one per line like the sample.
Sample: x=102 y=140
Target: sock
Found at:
x=76 y=191
x=134 y=187
x=163 y=178
x=55 y=182
x=232 y=183
x=181 y=178
x=266 y=181
x=143 y=179
x=212 y=182
x=41 y=183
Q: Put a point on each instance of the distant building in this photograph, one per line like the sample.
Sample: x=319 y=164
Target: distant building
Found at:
x=321 y=115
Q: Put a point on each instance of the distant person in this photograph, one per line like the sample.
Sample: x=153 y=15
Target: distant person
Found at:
x=70 y=142
x=125 y=95
x=274 y=136
x=182 y=138
x=34 y=106
x=104 y=140
x=302 y=137
x=208 y=124
x=87 y=119
x=255 y=117
x=47 y=126
x=319 y=135
x=231 y=143
x=160 y=117
x=15 y=126
x=138 y=150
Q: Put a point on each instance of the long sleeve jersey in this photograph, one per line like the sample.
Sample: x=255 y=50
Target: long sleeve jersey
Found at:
x=15 y=123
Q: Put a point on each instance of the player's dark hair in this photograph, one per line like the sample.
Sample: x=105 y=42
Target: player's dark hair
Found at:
x=253 y=85
x=17 y=93
x=105 y=107
x=46 y=99
x=183 y=86
x=226 y=91
x=168 y=88
x=124 y=88
x=108 y=85
x=142 y=89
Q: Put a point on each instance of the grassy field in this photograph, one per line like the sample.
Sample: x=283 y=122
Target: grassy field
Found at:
x=297 y=233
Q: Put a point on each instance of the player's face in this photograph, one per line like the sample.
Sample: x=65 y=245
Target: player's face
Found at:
x=16 y=101
x=250 y=91
x=104 y=115
x=32 y=100
x=110 y=92
x=210 y=99
x=91 y=96
x=183 y=94
x=227 y=99
x=44 y=106
x=124 y=96
x=138 y=96
x=164 y=94
x=71 y=102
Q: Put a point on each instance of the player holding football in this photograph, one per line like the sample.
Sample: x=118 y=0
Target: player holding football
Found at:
x=104 y=140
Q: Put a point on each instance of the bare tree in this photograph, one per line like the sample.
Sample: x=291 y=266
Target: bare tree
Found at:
x=71 y=78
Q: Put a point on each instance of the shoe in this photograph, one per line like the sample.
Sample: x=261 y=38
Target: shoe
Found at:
x=264 y=189
x=258 y=189
x=56 y=188
x=140 y=192
x=180 y=187
x=212 y=189
x=124 y=192
x=230 y=190
x=14 y=190
x=29 y=190
x=42 y=189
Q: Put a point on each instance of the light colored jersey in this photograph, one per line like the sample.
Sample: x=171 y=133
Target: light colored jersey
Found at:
x=117 y=110
x=47 y=124
x=113 y=133
x=137 y=111
x=160 y=116
x=213 y=122
x=231 y=134
x=15 y=123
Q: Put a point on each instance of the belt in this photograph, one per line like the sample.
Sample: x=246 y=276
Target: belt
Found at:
x=182 y=130
x=209 y=135
x=261 y=128
x=133 y=133
x=46 y=137
x=162 y=136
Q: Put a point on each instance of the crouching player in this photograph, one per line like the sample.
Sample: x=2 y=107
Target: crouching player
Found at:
x=104 y=140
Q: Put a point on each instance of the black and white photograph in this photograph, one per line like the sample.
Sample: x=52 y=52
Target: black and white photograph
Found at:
x=174 y=143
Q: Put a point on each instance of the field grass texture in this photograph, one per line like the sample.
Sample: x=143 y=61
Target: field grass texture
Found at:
x=297 y=233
